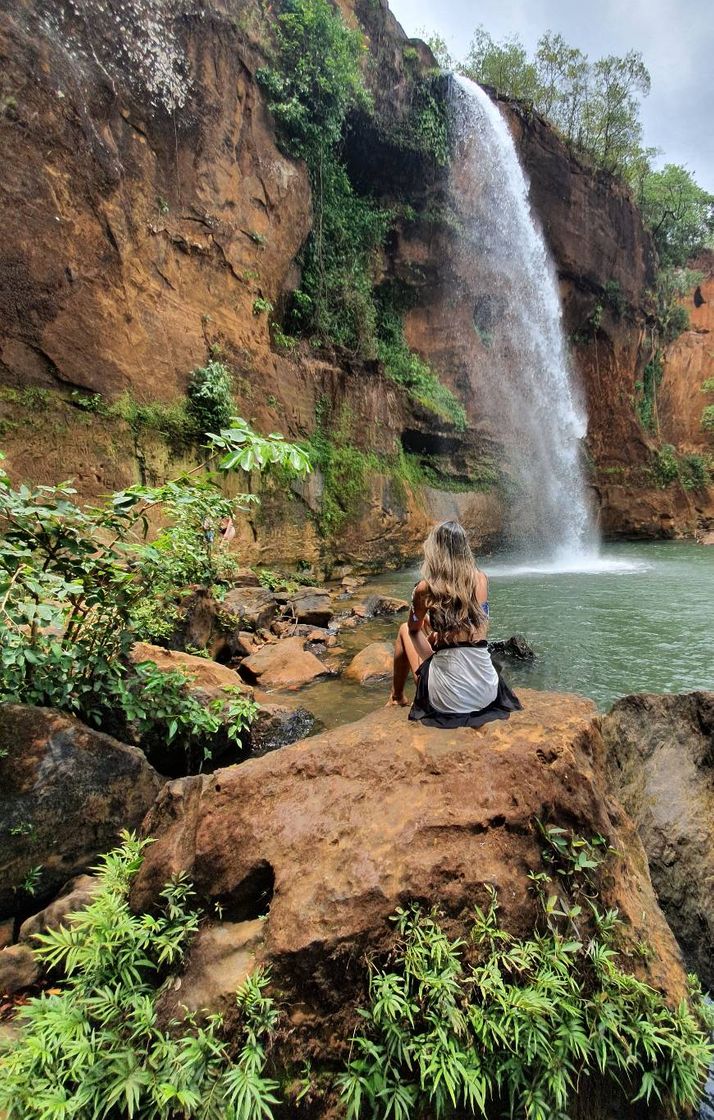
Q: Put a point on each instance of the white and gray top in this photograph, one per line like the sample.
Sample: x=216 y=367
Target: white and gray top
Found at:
x=462 y=679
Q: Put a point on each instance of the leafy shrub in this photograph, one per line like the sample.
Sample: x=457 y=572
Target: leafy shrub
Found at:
x=318 y=78
x=262 y=306
x=694 y=472
x=209 y=404
x=95 y=1047
x=666 y=466
x=510 y=1025
x=646 y=405
x=72 y=580
x=165 y=714
x=336 y=300
x=170 y=421
x=708 y=418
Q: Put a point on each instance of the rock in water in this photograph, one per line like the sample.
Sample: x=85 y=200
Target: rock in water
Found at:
x=372 y=663
x=66 y=791
x=326 y=838
x=661 y=755
x=311 y=605
x=286 y=664
x=251 y=607
x=516 y=647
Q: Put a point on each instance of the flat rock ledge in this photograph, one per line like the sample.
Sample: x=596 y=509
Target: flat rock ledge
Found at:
x=323 y=840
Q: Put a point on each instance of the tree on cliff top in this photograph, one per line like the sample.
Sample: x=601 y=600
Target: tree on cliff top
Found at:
x=595 y=105
x=679 y=213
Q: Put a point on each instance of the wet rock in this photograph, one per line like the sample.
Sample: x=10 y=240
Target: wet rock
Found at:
x=18 y=969
x=373 y=663
x=661 y=755
x=75 y=895
x=244 y=577
x=707 y=538
x=516 y=647
x=66 y=791
x=7 y=932
x=286 y=664
x=352 y=583
x=251 y=608
x=312 y=606
x=380 y=605
x=326 y=838
x=278 y=724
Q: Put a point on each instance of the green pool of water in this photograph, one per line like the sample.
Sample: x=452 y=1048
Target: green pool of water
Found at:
x=642 y=621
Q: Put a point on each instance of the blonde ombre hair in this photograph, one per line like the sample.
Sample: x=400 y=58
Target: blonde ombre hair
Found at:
x=450 y=573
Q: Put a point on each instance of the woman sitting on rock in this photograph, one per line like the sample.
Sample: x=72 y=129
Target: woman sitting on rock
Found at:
x=444 y=641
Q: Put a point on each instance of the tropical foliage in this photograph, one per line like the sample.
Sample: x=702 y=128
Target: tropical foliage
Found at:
x=501 y=1025
x=78 y=585
x=95 y=1047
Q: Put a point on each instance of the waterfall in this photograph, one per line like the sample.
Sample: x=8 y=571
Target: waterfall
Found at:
x=520 y=366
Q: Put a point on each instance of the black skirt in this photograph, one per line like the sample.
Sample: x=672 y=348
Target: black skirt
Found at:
x=501 y=707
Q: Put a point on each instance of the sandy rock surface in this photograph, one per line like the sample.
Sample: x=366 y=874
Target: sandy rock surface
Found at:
x=326 y=838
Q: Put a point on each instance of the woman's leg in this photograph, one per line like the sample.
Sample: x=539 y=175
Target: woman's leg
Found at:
x=410 y=649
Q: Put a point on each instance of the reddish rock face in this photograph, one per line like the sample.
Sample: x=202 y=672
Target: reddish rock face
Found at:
x=326 y=838
x=148 y=206
x=689 y=363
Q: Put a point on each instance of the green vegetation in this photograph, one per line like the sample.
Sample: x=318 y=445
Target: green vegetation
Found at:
x=406 y=368
x=314 y=82
x=79 y=585
x=708 y=411
x=209 y=403
x=506 y=1025
x=667 y=319
x=679 y=213
x=693 y=472
x=95 y=1048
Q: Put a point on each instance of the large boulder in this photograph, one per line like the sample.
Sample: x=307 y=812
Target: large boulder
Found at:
x=661 y=755
x=66 y=791
x=208 y=679
x=312 y=606
x=284 y=664
x=250 y=608
x=326 y=838
x=373 y=663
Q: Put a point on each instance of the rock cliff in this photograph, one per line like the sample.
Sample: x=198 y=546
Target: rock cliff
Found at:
x=150 y=215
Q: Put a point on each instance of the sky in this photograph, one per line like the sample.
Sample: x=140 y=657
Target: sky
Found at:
x=675 y=38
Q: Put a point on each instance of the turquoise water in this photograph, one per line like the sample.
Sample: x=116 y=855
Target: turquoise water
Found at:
x=642 y=621
x=644 y=625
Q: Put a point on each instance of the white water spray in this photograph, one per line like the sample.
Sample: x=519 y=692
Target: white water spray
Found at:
x=521 y=367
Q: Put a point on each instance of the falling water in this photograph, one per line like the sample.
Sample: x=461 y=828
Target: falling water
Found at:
x=521 y=368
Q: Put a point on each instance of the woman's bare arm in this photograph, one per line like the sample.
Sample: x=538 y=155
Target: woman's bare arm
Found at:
x=418 y=609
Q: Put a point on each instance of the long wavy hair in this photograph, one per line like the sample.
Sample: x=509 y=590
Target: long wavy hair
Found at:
x=450 y=573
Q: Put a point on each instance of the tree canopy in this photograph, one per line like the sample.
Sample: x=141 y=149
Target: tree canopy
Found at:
x=678 y=211
x=595 y=105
